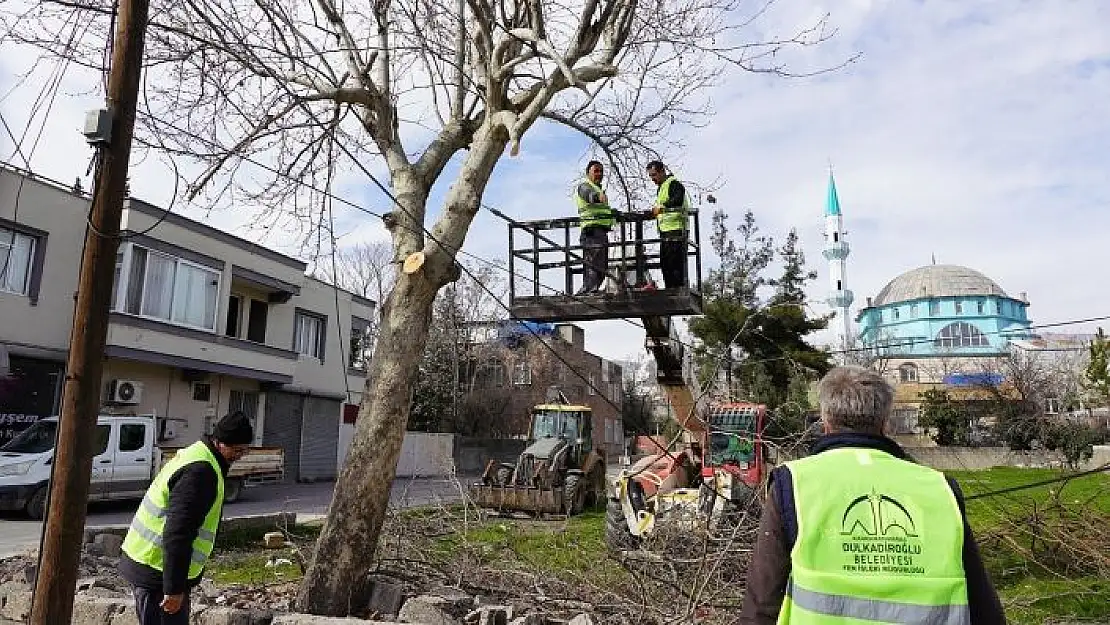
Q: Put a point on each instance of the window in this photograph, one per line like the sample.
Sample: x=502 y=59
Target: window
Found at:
x=934 y=308
x=959 y=307
x=100 y=439
x=907 y=372
x=234 y=316
x=256 y=323
x=592 y=387
x=17 y=255
x=980 y=307
x=202 y=391
x=1052 y=405
x=896 y=314
x=132 y=437
x=361 y=346
x=913 y=311
x=961 y=334
x=170 y=289
x=522 y=374
x=308 y=335
x=997 y=307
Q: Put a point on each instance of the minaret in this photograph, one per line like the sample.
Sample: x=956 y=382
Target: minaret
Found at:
x=836 y=252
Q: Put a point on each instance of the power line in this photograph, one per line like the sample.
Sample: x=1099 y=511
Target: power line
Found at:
x=1013 y=489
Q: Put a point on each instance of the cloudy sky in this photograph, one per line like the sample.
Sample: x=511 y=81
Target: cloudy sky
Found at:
x=977 y=132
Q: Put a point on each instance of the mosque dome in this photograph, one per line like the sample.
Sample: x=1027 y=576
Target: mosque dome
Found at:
x=937 y=281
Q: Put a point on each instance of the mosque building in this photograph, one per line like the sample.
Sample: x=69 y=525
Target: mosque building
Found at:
x=936 y=325
x=939 y=323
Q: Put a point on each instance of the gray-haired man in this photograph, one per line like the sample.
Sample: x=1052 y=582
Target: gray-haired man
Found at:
x=858 y=532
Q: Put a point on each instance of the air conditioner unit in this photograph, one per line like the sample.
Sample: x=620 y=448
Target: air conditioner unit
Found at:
x=125 y=392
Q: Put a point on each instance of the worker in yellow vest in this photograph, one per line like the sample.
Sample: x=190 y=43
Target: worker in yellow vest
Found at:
x=671 y=209
x=595 y=219
x=174 y=529
x=857 y=532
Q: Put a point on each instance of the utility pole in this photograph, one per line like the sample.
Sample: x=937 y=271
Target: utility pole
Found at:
x=56 y=582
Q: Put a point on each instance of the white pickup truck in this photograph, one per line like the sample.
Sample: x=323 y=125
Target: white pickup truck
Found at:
x=126 y=457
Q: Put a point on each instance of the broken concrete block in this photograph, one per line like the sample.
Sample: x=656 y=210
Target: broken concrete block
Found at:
x=528 y=619
x=308 y=619
x=582 y=619
x=426 y=610
x=108 y=544
x=385 y=598
x=98 y=610
x=456 y=598
x=495 y=614
x=232 y=616
x=274 y=540
x=15 y=601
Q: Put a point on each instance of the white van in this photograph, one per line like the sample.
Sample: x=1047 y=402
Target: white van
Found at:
x=126 y=457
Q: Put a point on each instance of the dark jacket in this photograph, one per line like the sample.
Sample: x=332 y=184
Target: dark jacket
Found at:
x=676 y=195
x=778 y=528
x=193 y=490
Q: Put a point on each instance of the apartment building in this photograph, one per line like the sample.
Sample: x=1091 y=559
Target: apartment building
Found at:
x=202 y=322
x=522 y=362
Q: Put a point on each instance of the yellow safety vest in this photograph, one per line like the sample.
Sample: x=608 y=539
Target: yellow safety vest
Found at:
x=593 y=214
x=879 y=540
x=671 y=219
x=143 y=542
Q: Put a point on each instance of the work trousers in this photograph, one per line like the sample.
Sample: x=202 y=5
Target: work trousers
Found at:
x=672 y=257
x=148 y=606
x=595 y=256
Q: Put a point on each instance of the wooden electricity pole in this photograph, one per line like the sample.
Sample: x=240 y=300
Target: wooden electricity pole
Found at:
x=56 y=582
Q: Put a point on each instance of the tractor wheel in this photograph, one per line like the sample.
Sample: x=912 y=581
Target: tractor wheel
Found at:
x=503 y=476
x=573 y=494
x=595 y=488
x=617 y=536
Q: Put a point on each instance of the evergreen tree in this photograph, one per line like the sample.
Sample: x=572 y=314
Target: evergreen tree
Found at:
x=761 y=342
x=731 y=295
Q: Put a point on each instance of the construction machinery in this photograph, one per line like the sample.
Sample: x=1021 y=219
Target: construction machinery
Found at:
x=711 y=478
x=716 y=466
x=559 y=472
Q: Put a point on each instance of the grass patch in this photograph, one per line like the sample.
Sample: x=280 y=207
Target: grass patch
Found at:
x=240 y=559
x=249 y=568
x=571 y=548
x=983 y=514
x=1045 y=546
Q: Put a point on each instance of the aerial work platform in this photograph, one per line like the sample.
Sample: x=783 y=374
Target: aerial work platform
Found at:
x=546 y=270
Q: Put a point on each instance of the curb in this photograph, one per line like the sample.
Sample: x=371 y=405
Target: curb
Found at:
x=250 y=521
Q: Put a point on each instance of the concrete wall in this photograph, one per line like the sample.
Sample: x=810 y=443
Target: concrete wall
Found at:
x=471 y=454
x=977 y=458
x=425 y=454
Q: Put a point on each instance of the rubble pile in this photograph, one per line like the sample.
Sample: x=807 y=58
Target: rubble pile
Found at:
x=415 y=599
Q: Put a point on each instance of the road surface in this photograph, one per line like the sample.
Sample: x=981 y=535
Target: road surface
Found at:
x=19 y=534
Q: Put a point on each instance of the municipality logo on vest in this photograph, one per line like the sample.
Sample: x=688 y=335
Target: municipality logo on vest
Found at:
x=877 y=515
x=879 y=535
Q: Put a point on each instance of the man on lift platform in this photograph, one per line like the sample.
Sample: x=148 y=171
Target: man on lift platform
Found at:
x=671 y=210
x=596 y=219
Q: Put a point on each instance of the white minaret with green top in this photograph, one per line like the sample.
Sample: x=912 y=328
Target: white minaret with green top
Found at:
x=836 y=252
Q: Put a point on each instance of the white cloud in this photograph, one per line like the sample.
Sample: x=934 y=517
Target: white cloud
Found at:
x=972 y=130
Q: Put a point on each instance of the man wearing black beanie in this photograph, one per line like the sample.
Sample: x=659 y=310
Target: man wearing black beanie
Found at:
x=174 y=529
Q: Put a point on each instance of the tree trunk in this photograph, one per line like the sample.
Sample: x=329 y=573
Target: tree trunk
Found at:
x=347 y=543
x=336 y=580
